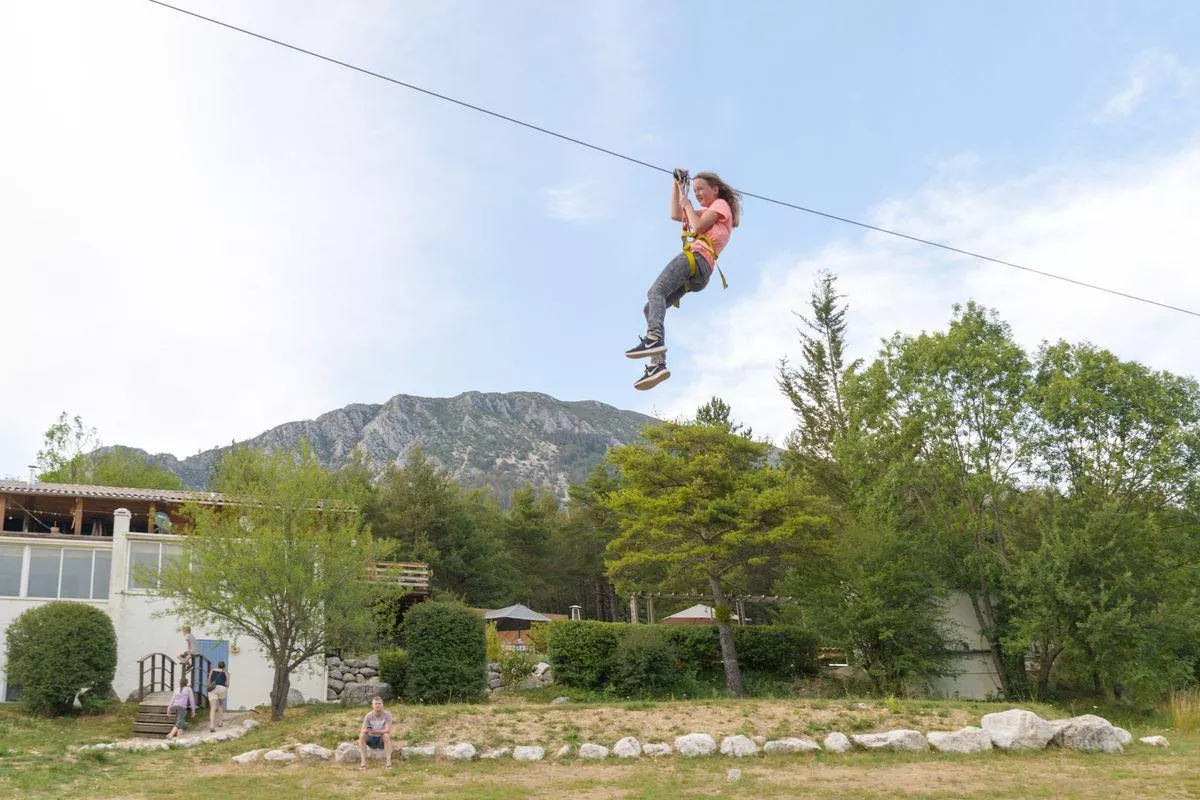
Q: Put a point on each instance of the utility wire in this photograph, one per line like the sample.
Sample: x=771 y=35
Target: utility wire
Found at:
x=615 y=154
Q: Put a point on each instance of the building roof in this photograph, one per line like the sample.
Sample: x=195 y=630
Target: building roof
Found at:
x=109 y=492
x=698 y=611
x=517 y=611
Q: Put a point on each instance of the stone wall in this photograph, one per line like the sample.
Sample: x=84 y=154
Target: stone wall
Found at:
x=347 y=671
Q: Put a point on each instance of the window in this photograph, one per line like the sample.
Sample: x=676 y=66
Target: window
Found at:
x=11 y=558
x=146 y=560
x=43 y=571
x=69 y=573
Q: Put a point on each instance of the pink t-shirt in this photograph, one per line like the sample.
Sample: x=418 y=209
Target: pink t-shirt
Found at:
x=718 y=233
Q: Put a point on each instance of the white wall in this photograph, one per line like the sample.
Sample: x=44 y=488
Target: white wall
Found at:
x=976 y=678
x=141 y=632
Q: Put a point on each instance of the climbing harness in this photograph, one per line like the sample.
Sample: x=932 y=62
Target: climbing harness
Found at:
x=684 y=179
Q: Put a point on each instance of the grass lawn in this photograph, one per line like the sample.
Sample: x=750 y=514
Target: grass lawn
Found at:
x=35 y=763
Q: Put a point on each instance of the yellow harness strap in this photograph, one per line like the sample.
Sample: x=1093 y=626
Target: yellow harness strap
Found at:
x=689 y=237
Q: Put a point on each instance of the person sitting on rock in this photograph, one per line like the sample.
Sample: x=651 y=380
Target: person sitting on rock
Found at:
x=376 y=733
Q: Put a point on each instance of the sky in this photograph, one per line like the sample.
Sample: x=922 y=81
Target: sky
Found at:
x=203 y=235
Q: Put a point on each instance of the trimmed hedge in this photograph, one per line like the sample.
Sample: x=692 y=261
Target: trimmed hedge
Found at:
x=581 y=651
x=393 y=668
x=645 y=664
x=58 y=649
x=781 y=650
x=585 y=654
x=447 y=654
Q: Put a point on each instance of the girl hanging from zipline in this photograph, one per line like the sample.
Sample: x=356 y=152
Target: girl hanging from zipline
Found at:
x=705 y=233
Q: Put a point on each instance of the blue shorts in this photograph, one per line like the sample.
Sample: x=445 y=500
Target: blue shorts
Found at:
x=375 y=741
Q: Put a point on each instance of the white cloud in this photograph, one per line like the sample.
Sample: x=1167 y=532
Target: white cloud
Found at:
x=1152 y=71
x=573 y=203
x=188 y=218
x=1129 y=228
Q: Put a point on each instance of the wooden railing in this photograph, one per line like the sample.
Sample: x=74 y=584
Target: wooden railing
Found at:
x=156 y=673
x=409 y=575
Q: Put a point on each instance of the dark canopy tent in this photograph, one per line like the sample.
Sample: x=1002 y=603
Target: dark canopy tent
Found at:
x=514 y=618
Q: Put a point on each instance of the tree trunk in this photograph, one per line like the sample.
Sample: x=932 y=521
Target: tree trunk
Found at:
x=733 y=671
x=1047 y=658
x=279 y=691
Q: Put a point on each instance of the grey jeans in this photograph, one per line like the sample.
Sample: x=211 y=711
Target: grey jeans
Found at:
x=672 y=284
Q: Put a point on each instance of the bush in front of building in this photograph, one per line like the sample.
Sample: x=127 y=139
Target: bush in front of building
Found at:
x=59 y=649
x=447 y=654
x=785 y=651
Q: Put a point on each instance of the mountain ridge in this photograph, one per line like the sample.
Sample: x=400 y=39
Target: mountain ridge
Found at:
x=502 y=440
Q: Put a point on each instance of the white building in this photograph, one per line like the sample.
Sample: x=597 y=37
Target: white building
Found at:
x=90 y=558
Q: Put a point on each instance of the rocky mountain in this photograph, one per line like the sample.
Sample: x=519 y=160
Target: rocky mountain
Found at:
x=483 y=439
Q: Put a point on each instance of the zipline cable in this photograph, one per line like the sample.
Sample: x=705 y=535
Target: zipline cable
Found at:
x=639 y=162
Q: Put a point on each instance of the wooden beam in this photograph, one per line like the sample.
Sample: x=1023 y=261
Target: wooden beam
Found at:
x=77 y=520
x=150 y=518
x=3 y=509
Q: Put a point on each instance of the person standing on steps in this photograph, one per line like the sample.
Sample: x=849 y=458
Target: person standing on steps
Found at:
x=706 y=231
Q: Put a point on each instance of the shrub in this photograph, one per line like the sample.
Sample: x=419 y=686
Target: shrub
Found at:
x=494 y=649
x=580 y=652
x=538 y=637
x=447 y=654
x=393 y=668
x=58 y=649
x=516 y=665
x=644 y=664
x=697 y=646
x=782 y=650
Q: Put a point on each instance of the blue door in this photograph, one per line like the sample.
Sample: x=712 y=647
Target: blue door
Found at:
x=211 y=652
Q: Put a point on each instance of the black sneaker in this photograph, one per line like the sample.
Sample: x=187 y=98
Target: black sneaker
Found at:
x=648 y=346
x=655 y=374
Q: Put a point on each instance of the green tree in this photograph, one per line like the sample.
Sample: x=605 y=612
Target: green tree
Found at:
x=529 y=530
x=717 y=413
x=123 y=467
x=71 y=453
x=817 y=389
x=581 y=539
x=283 y=563
x=700 y=504
x=942 y=440
x=1107 y=576
x=431 y=519
x=66 y=454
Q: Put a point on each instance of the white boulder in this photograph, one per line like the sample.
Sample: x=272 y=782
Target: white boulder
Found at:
x=968 y=740
x=314 y=752
x=417 y=751
x=461 y=751
x=589 y=750
x=278 y=755
x=738 y=746
x=1155 y=741
x=1017 y=729
x=1089 y=733
x=695 y=744
x=656 y=749
x=528 y=753
x=563 y=751
x=902 y=739
x=247 y=757
x=837 y=743
x=789 y=745
x=628 y=747
x=1123 y=736
x=496 y=753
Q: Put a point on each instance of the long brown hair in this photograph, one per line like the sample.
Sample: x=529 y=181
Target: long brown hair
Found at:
x=725 y=192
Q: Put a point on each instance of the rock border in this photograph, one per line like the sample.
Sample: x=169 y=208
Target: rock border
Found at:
x=1016 y=729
